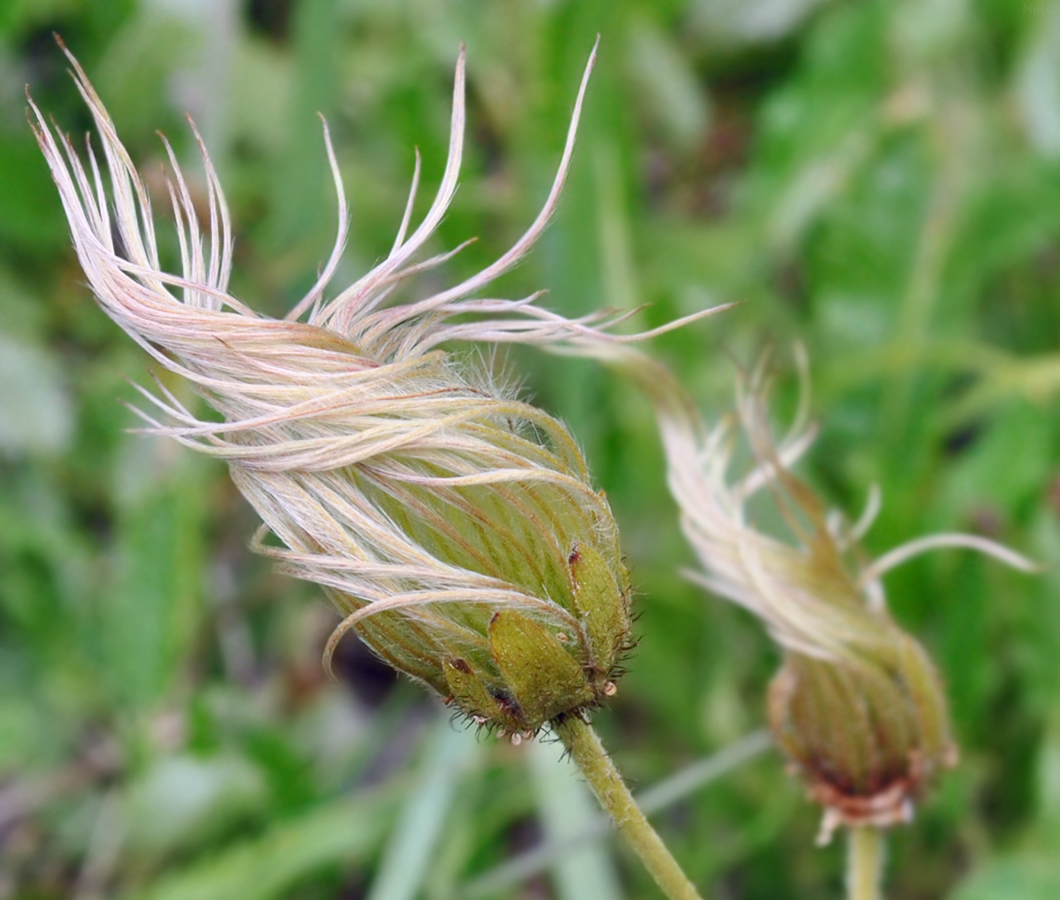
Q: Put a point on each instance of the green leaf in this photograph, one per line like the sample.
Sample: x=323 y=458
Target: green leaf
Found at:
x=341 y=834
x=567 y=810
x=1013 y=878
x=184 y=802
x=147 y=616
x=35 y=411
x=406 y=862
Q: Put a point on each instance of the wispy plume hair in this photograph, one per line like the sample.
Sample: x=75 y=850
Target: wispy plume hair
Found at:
x=857 y=706
x=453 y=526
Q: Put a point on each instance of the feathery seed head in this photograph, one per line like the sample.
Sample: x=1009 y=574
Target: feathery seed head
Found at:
x=857 y=706
x=454 y=527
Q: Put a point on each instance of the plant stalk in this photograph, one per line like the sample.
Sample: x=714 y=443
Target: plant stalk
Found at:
x=591 y=757
x=864 y=863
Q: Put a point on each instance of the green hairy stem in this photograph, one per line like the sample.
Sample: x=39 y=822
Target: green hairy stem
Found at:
x=591 y=757
x=864 y=863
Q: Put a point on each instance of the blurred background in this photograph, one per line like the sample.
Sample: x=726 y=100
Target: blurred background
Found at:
x=879 y=180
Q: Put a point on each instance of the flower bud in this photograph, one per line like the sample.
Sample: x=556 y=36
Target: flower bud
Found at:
x=867 y=735
x=455 y=528
x=537 y=616
x=857 y=706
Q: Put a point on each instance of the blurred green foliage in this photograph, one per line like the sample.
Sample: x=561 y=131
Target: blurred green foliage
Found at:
x=879 y=180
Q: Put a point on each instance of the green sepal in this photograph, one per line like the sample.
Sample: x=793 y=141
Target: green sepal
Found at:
x=601 y=602
x=542 y=676
x=472 y=696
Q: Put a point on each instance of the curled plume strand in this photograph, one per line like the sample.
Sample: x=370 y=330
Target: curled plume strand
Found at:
x=813 y=592
x=181 y=312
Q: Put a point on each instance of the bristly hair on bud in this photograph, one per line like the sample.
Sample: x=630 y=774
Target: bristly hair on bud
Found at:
x=857 y=706
x=455 y=528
